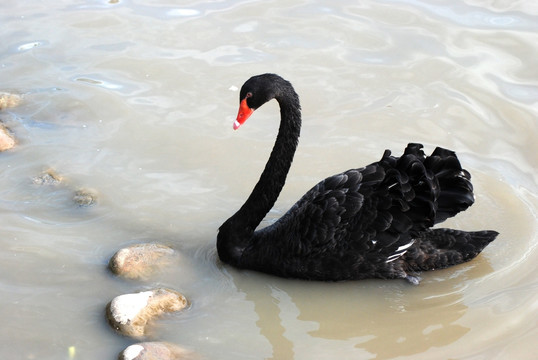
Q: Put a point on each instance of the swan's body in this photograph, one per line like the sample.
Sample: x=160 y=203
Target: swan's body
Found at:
x=363 y=223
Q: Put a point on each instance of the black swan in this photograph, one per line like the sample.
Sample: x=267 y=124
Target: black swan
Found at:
x=371 y=222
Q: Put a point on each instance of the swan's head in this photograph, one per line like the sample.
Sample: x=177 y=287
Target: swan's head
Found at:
x=255 y=92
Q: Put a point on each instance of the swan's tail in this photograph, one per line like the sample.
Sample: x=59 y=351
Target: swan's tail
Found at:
x=440 y=248
x=428 y=189
x=456 y=190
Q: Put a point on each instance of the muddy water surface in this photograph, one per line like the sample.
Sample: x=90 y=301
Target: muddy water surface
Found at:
x=136 y=100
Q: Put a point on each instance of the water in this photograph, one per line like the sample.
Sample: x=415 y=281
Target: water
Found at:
x=136 y=101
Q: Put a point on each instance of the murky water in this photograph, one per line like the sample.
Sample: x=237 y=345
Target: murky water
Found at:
x=136 y=101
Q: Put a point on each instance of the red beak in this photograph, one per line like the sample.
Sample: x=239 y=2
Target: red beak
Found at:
x=243 y=114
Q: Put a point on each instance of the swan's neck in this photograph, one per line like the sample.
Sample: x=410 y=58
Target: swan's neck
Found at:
x=237 y=232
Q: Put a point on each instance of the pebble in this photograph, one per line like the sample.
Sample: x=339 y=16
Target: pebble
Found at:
x=48 y=177
x=7 y=141
x=155 y=350
x=85 y=197
x=8 y=100
x=130 y=313
x=141 y=260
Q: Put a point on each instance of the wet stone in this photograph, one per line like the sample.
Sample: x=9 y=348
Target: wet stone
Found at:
x=8 y=100
x=49 y=177
x=7 y=141
x=155 y=350
x=141 y=261
x=129 y=314
x=85 y=197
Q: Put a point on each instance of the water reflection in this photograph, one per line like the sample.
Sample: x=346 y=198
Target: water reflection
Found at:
x=382 y=319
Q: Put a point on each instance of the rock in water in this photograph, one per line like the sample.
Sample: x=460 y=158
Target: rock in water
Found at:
x=155 y=350
x=85 y=197
x=8 y=100
x=130 y=313
x=48 y=177
x=7 y=141
x=141 y=260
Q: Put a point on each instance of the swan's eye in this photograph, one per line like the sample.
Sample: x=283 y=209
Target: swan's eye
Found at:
x=249 y=94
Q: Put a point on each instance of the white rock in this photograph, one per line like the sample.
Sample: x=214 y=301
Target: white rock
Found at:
x=129 y=305
x=8 y=100
x=7 y=141
x=130 y=313
x=131 y=352
x=156 y=350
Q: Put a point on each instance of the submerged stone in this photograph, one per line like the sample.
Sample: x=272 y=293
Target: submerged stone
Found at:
x=130 y=313
x=8 y=100
x=48 y=177
x=85 y=197
x=141 y=260
x=155 y=350
x=7 y=141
